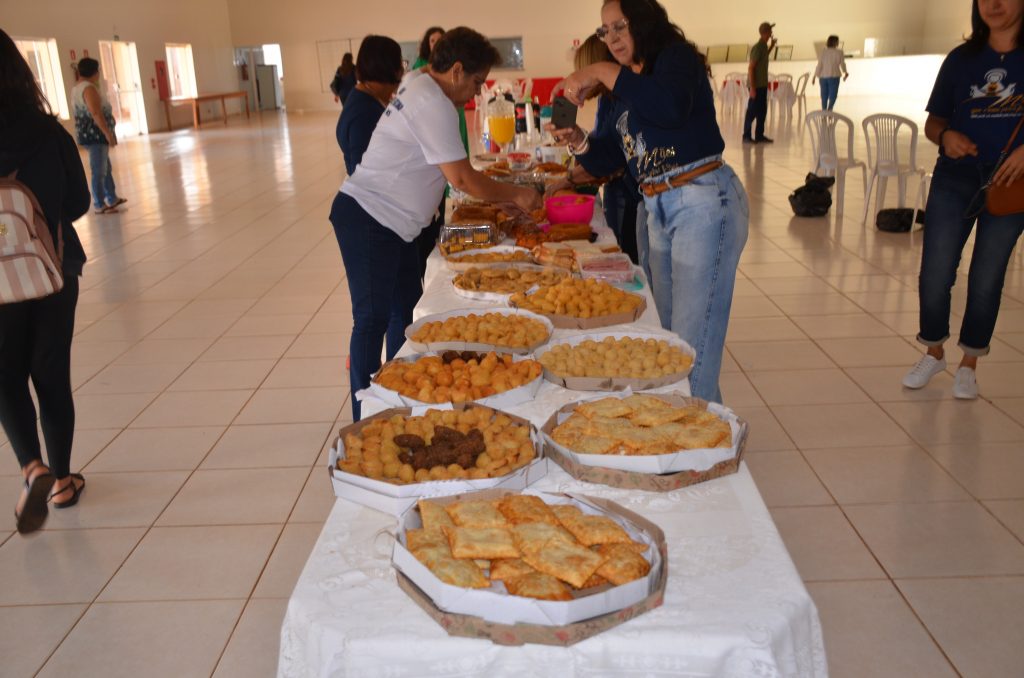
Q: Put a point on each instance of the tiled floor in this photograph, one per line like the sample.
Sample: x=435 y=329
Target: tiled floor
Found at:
x=209 y=373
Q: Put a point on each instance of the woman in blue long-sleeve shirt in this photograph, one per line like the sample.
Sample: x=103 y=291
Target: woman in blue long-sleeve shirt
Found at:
x=379 y=71
x=667 y=136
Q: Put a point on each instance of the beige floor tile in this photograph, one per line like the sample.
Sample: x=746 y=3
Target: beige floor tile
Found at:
x=28 y=634
x=871 y=633
x=220 y=375
x=798 y=285
x=850 y=425
x=766 y=434
x=119 y=500
x=806 y=387
x=248 y=348
x=785 y=479
x=738 y=391
x=287 y=560
x=905 y=323
x=1010 y=512
x=886 y=302
x=961 y=421
x=62 y=566
x=269 y=445
x=1000 y=380
x=236 y=497
x=303 y=372
x=987 y=470
x=150 y=351
x=316 y=501
x=752 y=306
x=262 y=325
x=156 y=449
x=109 y=410
x=194 y=563
x=841 y=326
x=762 y=329
x=815 y=304
x=865 y=283
x=132 y=379
x=253 y=648
x=937 y=539
x=779 y=355
x=287 y=305
x=87 y=444
x=330 y=323
x=867 y=475
x=976 y=621
x=193 y=408
x=1014 y=407
x=97 y=352
x=775 y=270
x=334 y=344
x=291 y=405
x=885 y=384
x=870 y=352
x=117 y=640
x=823 y=544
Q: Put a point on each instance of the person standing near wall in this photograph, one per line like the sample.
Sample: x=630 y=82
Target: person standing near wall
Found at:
x=94 y=127
x=831 y=64
x=344 y=79
x=757 y=80
x=379 y=68
x=35 y=335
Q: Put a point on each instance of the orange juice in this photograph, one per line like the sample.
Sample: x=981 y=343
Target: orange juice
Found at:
x=502 y=129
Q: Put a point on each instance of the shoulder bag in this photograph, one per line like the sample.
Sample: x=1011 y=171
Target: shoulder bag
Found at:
x=1006 y=199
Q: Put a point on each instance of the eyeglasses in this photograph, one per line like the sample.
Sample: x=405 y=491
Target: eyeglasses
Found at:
x=614 y=30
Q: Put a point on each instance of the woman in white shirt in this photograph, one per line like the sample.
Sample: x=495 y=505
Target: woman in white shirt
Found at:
x=830 y=64
x=395 y=190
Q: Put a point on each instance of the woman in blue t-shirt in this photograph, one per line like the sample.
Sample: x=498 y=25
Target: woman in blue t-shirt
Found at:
x=666 y=134
x=379 y=71
x=976 y=103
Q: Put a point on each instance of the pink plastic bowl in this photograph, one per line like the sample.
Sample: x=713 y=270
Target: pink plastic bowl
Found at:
x=570 y=209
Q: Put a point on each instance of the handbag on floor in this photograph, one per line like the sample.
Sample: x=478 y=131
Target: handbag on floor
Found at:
x=1006 y=199
x=813 y=199
x=30 y=263
x=898 y=219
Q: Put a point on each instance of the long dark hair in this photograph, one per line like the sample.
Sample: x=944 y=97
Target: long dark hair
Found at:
x=652 y=31
x=380 y=60
x=980 y=32
x=425 y=42
x=347 y=64
x=19 y=90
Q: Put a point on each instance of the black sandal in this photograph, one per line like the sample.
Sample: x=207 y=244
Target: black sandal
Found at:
x=76 y=492
x=34 y=512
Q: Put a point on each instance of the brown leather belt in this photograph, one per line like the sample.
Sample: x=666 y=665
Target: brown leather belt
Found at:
x=653 y=189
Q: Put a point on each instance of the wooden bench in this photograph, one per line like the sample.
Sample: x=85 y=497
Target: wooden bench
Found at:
x=204 y=98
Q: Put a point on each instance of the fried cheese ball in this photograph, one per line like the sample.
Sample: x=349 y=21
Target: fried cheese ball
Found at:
x=430 y=380
x=578 y=298
x=514 y=331
x=610 y=357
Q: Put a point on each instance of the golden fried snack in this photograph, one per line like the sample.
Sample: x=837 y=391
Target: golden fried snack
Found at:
x=578 y=298
x=508 y=568
x=481 y=542
x=514 y=331
x=617 y=357
x=452 y=378
x=454 y=571
x=514 y=257
x=538 y=585
x=571 y=563
x=592 y=530
x=623 y=564
x=506 y=280
x=526 y=508
x=478 y=514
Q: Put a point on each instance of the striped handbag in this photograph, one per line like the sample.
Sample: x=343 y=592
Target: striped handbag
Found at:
x=30 y=264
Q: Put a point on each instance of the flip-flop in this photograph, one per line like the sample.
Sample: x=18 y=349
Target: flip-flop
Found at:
x=107 y=209
x=34 y=512
x=119 y=201
x=76 y=492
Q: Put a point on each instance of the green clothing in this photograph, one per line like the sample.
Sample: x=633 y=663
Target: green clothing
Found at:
x=759 y=57
x=420 y=63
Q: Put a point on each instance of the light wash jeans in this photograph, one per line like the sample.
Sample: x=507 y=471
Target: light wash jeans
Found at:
x=102 y=183
x=696 y=234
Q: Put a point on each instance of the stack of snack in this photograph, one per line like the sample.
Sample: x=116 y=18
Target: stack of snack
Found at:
x=507 y=279
x=536 y=550
x=578 y=299
x=473 y=443
x=569 y=254
x=456 y=377
x=626 y=357
x=531 y=238
x=496 y=329
x=502 y=255
x=640 y=425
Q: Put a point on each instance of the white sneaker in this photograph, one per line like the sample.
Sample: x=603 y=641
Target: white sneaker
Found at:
x=965 y=384
x=922 y=372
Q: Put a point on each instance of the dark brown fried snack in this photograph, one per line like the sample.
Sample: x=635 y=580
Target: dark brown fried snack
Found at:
x=409 y=440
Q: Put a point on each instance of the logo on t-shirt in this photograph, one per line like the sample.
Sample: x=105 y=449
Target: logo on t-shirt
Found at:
x=994 y=86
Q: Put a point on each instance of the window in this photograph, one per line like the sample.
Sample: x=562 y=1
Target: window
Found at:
x=44 y=61
x=511 y=50
x=181 y=71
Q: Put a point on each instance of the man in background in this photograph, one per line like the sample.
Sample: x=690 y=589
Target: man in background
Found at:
x=757 y=79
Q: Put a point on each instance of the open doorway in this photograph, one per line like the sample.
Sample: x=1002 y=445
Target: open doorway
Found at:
x=119 y=63
x=261 y=74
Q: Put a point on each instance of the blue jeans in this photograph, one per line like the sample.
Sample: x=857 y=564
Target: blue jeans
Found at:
x=696 y=234
x=757 y=111
x=946 y=231
x=103 y=190
x=829 y=92
x=620 y=199
x=384 y=282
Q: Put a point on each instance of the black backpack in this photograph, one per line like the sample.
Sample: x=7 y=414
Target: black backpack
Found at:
x=898 y=219
x=813 y=199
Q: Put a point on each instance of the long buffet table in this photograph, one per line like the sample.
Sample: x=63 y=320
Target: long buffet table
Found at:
x=734 y=605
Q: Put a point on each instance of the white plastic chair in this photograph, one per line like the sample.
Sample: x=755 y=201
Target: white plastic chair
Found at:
x=734 y=93
x=882 y=133
x=781 y=95
x=825 y=151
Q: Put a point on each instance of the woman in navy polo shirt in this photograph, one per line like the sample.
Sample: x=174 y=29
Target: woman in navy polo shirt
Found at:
x=666 y=134
x=976 y=103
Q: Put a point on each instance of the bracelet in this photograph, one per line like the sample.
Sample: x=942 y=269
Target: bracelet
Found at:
x=582 y=148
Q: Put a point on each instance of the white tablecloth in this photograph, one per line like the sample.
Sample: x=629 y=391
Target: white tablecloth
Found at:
x=734 y=604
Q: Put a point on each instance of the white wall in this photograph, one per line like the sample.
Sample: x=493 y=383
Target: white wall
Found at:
x=148 y=23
